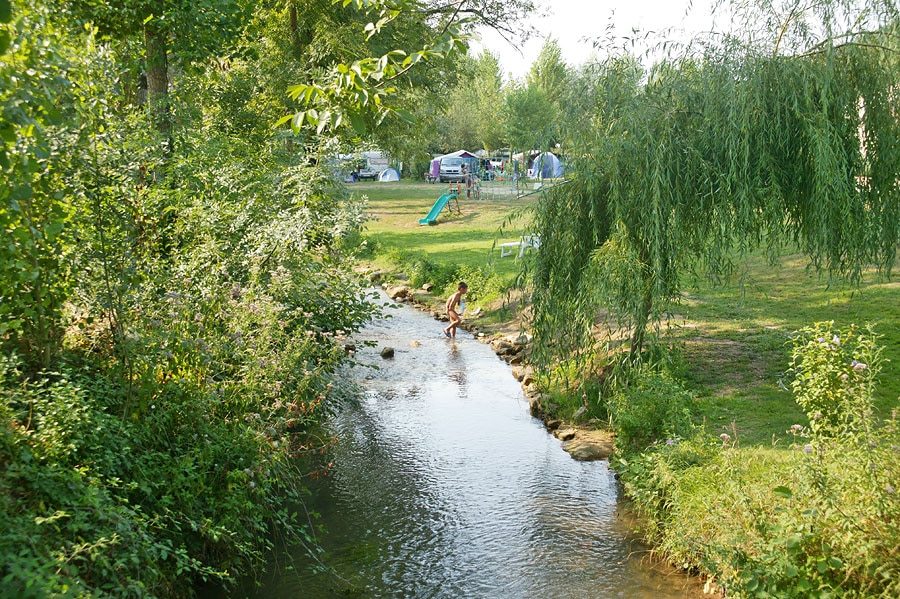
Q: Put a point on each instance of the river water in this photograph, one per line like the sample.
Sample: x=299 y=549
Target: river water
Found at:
x=443 y=486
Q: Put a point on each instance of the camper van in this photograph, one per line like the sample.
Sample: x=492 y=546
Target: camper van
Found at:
x=371 y=165
x=452 y=169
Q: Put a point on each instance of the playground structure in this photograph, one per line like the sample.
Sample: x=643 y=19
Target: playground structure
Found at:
x=498 y=184
x=499 y=188
x=514 y=186
x=511 y=181
x=446 y=200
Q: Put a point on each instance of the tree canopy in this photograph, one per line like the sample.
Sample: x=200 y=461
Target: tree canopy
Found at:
x=746 y=144
x=168 y=344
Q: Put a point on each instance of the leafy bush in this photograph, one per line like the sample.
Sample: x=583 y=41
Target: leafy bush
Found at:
x=419 y=269
x=482 y=281
x=153 y=407
x=834 y=377
x=652 y=407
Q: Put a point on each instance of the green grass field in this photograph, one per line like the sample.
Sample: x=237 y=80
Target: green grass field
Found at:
x=736 y=340
x=467 y=237
x=733 y=337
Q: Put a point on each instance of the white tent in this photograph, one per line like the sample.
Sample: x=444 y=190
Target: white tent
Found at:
x=547 y=166
x=389 y=174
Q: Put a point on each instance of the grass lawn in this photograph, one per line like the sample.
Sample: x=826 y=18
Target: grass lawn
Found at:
x=468 y=237
x=733 y=337
x=736 y=340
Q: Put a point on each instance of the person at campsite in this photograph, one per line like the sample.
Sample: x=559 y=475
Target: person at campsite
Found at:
x=454 y=309
x=467 y=178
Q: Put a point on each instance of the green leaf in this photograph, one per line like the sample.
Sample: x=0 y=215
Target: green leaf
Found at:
x=295 y=91
x=358 y=123
x=283 y=120
x=324 y=121
x=794 y=542
x=5 y=13
x=783 y=492
x=53 y=229
x=405 y=115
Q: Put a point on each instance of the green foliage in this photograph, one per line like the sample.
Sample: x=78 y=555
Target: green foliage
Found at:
x=473 y=116
x=818 y=519
x=168 y=349
x=198 y=28
x=653 y=479
x=549 y=72
x=355 y=92
x=33 y=203
x=419 y=270
x=835 y=372
x=715 y=155
x=409 y=46
x=530 y=117
x=652 y=408
x=534 y=112
x=482 y=281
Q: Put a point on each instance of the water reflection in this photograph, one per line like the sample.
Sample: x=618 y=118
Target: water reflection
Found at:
x=456 y=369
x=444 y=487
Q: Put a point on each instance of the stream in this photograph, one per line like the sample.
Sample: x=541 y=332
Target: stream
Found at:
x=444 y=486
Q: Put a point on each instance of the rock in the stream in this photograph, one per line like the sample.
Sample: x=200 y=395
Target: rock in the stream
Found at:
x=564 y=434
x=590 y=445
x=399 y=292
x=387 y=352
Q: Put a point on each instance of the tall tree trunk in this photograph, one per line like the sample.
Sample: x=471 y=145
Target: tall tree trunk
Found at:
x=295 y=30
x=642 y=319
x=156 y=47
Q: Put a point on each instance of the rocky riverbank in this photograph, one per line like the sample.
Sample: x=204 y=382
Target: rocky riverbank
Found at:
x=511 y=345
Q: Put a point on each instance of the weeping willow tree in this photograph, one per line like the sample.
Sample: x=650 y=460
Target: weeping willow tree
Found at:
x=790 y=138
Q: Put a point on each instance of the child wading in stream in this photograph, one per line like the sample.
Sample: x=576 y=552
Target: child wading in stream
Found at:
x=455 y=306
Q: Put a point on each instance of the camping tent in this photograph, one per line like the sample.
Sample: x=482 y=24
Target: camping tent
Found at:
x=547 y=166
x=436 y=161
x=457 y=154
x=389 y=174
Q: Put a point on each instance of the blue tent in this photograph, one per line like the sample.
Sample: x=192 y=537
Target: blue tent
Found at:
x=389 y=174
x=547 y=166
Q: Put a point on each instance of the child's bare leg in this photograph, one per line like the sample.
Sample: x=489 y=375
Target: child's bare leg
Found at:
x=454 y=322
x=450 y=329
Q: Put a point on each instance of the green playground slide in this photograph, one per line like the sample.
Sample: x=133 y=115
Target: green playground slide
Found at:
x=436 y=209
